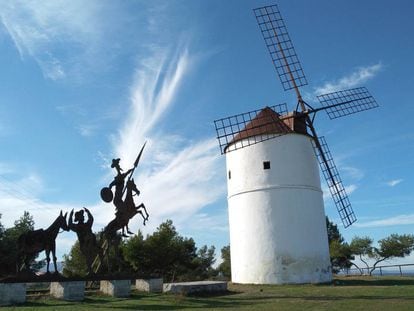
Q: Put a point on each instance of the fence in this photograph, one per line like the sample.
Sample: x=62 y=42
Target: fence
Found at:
x=401 y=270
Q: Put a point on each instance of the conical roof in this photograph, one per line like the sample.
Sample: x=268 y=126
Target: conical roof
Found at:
x=266 y=122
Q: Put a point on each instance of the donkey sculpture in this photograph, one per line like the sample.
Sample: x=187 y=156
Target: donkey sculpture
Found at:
x=33 y=242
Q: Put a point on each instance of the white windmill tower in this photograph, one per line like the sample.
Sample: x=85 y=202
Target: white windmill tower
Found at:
x=276 y=213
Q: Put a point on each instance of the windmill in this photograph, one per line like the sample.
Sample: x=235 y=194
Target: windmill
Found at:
x=269 y=206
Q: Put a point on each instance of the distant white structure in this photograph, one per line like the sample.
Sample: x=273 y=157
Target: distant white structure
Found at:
x=276 y=214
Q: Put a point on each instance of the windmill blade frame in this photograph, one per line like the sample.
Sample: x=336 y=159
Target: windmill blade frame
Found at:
x=334 y=182
x=342 y=103
x=280 y=47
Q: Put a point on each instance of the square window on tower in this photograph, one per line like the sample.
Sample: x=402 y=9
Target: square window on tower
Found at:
x=266 y=165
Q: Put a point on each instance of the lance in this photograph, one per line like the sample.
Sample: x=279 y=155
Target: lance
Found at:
x=135 y=165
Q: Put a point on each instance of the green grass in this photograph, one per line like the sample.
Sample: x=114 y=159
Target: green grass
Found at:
x=356 y=293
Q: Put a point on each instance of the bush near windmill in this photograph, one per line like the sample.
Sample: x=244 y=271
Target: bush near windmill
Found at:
x=339 y=251
x=164 y=253
x=8 y=244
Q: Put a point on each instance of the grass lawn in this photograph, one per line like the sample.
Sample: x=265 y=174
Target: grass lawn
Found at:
x=348 y=293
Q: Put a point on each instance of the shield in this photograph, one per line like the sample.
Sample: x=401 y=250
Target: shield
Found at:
x=106 y=194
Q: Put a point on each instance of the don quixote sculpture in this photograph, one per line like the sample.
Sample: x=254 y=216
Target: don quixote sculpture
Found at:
x=125 y=208
x=93 y=248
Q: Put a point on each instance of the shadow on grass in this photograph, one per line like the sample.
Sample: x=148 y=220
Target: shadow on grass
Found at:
x=246 y=296
x=249 y=300
x=372 y=282
x=139 y=301
x=213 y=294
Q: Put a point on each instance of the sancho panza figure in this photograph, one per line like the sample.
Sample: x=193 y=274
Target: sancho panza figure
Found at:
x=87 y=240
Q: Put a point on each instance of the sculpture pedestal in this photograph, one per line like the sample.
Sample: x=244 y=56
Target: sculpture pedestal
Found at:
x=116 y=288
x=12 y=293
x=71 y=291
x=195 y=287
x=149 y=285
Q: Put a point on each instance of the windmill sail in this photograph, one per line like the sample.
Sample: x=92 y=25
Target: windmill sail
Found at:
x=280 y=47
x=346 y=102
x=334 y=181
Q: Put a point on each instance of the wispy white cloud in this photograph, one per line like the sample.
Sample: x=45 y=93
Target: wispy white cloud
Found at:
x=352 y=172
x=64 y=38
x=87 y=130
x=18 y=194
x=152 y=93
x=348 y=189
x=359 y=76
x=14 y=200
x=351 y=188
x=177 y=176
x=398 y=220
x=394 y=182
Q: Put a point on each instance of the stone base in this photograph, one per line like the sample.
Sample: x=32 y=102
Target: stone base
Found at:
x=12 y=293
x=149 y=285
x=71 y=291
x=195 y=287
x=116 y=288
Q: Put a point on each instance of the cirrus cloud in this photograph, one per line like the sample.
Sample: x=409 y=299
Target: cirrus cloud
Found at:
x=359 y=76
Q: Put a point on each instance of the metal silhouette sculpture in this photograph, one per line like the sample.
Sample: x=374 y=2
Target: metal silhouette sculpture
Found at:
x=125 y=207
x=87 y=239
x=119 y=184
x=33 y=242
x=130 y=209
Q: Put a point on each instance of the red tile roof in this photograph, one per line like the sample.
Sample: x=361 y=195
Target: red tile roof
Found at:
x=267 y=121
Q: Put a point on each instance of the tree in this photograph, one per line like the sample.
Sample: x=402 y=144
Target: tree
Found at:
x=165 y=253
x=24 y=223
x=168 y=254
x=333 y=231
x=3 y=249
x=361 y=246
x=225 y=267
x=9 y=245
x=341 y=256
x=339 y=251
x=135 y=253
x=203 y=263
x=394 y=246
x=1 y=229
x=74 y=263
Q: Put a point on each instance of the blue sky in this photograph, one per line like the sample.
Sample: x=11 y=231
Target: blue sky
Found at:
x=84 y=82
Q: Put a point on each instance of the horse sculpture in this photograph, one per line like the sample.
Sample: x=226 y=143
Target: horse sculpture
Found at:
x=126 y=211
x=33 y=242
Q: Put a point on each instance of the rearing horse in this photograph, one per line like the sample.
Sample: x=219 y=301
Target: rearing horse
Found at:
x=33 y=242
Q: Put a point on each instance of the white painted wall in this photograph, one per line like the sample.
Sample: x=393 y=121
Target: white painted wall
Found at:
x=276 y=216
